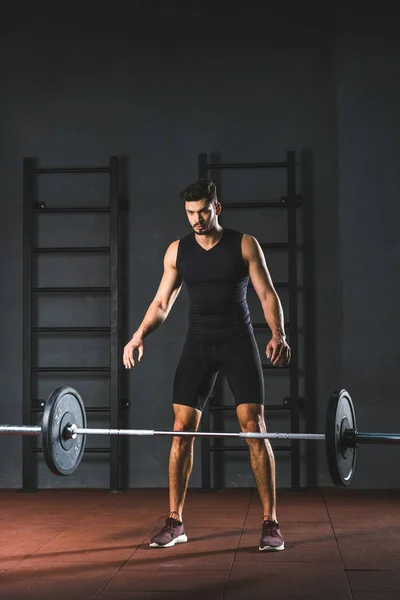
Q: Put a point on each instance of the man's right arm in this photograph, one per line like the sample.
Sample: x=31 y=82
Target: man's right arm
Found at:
x=168 y=290
x=167 y=293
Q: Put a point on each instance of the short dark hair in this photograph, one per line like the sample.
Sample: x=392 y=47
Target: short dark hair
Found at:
x=202 y=188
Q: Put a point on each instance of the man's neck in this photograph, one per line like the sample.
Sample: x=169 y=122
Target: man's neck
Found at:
x=210 y=239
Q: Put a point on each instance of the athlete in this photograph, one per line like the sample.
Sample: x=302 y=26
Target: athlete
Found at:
x=216 y=265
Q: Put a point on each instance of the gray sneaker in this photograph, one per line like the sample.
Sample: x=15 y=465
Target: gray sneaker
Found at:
x=172 y=533
x=271 y=537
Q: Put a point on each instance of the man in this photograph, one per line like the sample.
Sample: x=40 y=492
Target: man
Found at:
x=216 y=265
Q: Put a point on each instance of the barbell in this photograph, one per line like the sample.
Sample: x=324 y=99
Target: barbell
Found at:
x=64 y=430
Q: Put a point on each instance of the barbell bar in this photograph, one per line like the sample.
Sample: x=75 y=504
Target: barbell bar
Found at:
x=72 y=431
x=20 y=430
x=64 y=430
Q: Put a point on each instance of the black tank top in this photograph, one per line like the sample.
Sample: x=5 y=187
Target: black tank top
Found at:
x=216 y=282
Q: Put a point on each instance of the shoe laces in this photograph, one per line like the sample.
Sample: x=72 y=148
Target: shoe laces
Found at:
x=270 y=527
x=171 y=523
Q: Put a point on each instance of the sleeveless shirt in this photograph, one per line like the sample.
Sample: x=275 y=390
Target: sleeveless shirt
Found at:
x=216 y=282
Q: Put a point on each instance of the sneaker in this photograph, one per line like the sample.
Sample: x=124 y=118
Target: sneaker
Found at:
x=271 y=538
x=172 y=533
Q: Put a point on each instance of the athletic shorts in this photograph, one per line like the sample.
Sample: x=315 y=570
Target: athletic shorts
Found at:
x=237 y=358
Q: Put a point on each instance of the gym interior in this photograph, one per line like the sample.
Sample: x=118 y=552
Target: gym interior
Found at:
x=108 y=114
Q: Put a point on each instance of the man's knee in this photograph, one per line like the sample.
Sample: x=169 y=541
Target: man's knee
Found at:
x=183 y=440
x=254 y=424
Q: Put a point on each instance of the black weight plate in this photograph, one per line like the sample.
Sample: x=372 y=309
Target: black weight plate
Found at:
x=64 y=406
x=341 y=458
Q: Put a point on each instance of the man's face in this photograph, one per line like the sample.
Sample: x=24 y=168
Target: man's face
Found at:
x=202 y=215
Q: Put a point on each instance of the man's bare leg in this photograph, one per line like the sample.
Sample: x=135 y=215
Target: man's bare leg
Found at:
x=181 y=457
x=251 y=418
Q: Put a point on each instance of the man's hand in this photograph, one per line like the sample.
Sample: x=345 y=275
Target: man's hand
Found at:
x=278 y=351
x=136 y=343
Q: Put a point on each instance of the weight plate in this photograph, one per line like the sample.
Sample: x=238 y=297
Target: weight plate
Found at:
x=64 y=406
x=340 y=456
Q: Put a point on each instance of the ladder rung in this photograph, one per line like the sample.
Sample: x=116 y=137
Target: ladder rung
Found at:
x=97 y=290
x=254 y=205
x=274 y=245
x=255 y=165
x=72 y=209
x=57 y=170
x=71 y=369
x=281 y=284
x=72 y=249
x=70 y=329
x=278 y=246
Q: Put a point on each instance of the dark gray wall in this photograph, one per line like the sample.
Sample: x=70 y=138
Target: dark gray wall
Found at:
x=368 y=100
x=76 y=95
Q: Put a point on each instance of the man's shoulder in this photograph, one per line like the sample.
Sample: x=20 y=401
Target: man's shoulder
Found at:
x=238 y=234
x=228 y=231
x=183 y=244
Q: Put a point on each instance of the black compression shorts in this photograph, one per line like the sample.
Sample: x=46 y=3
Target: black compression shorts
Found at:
x=237 y=358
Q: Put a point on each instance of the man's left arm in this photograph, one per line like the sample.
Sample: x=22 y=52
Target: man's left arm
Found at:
x=277 y=350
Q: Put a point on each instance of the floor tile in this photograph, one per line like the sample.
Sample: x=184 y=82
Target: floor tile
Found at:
x=376 y=596
x=301 y=550
x=284 y=581
x=171 y=580
x=204 y=550
x=374 y=581
x=48 y=589
x=82 y=544
x=369 y=549
x=317 y=531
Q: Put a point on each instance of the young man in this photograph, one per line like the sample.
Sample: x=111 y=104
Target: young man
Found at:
x=216 y=265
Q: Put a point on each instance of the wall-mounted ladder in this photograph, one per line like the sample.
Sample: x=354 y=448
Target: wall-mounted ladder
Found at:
x=33 y=209
x=289 y=202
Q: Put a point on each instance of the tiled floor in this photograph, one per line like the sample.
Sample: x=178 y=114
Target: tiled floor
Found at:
x=340 y=544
